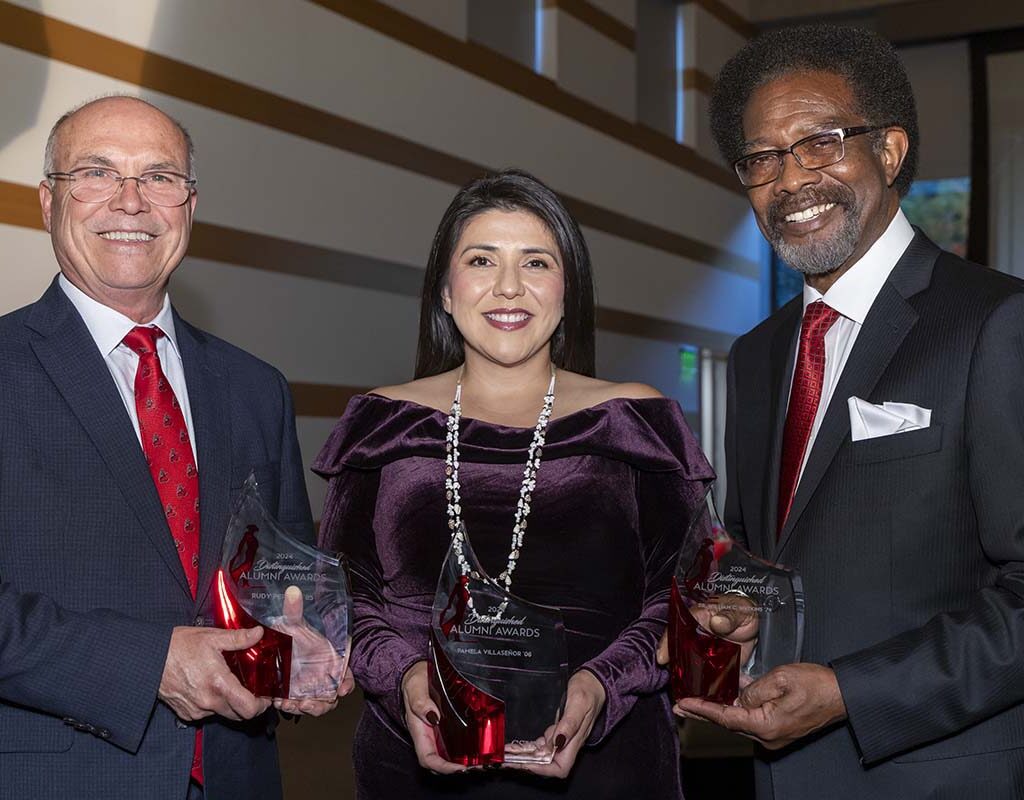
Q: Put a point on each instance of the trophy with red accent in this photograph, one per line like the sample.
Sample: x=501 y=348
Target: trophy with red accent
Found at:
x=296 y=592
x=732 y=616
x=498 y=667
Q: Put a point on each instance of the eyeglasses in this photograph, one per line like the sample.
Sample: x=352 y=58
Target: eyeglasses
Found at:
x=812 y=152
x=97 y=185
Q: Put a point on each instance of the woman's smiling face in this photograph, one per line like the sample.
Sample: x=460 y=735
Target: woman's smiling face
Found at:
x=505 y=286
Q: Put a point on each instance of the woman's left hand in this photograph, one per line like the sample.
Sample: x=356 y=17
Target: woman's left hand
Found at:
x=584 y=699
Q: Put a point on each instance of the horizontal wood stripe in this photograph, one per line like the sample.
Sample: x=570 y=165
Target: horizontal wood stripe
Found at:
x=322 y=399
x=45 y=36
x=727 y=16
x=699 y=80
x=598 y=19
x=19 y=206
x=518 y=78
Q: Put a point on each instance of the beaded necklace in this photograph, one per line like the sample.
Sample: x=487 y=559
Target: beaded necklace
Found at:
x=452 y=493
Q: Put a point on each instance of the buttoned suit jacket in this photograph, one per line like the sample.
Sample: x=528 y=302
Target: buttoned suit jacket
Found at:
x=90 y=582
x=910 y=546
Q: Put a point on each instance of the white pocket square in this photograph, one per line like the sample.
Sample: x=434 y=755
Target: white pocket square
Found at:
x=869 y=421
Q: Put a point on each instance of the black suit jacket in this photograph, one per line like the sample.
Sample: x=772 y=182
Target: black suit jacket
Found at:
x=90 y=582
x=910 y=546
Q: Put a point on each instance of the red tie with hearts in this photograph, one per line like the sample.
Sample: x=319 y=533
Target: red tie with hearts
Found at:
x=165 y=442
x=808 y=379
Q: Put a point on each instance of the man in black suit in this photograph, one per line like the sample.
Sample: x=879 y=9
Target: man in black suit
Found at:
x=875 y=443
x=125 y=433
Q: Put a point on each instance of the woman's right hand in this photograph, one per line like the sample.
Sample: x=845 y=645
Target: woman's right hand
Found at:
x=421 y=717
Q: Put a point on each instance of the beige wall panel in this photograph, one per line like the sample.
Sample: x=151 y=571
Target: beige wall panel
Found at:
x=646 y=281
x=447 y=15
x=312 y=433
x=623 y=10
x=697 y=104
x=313 y=331
x=941 y=77
x=592 y=66
x=709 y=41
x=28 y=268
x=323 y=59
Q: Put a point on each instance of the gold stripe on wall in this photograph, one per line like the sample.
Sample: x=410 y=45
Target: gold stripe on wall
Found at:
x=598 y=19
x=727 y=16
x=322 y=399
x=694 y=78
x=48 y=37
x=520 y=79
x=19 y=205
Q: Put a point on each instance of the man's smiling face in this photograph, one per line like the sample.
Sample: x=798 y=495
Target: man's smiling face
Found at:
x=819 y=220
x=126 y=247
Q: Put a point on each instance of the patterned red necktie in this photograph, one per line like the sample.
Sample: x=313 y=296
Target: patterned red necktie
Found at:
x=165 y=442
x=808 y=378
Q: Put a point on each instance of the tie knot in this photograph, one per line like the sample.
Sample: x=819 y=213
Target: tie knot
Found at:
x=818 y=318
x=142 y=339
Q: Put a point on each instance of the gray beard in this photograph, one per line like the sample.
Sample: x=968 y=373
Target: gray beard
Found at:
x=820 y=258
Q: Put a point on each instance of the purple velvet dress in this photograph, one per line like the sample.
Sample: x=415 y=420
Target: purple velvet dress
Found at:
x=617 y=486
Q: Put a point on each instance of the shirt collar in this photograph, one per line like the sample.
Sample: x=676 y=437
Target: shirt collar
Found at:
x=107 y=326
x=855 y=291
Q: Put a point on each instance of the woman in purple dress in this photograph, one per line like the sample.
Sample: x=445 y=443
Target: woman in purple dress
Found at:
x=504 y=381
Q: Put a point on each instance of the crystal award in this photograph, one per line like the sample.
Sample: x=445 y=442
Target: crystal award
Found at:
x=498 y=667
x=764 y=601
x=297 y=593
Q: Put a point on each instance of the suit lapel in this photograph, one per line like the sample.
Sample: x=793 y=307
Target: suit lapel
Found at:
x=888 y=322
x=208 y=398
x=67 y=353
x=781 y=357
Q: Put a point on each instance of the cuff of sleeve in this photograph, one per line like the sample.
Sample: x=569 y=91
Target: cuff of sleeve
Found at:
x=869 y=721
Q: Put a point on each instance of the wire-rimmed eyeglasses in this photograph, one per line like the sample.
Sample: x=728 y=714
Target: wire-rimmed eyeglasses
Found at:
x=816 y=151
x=98 y=184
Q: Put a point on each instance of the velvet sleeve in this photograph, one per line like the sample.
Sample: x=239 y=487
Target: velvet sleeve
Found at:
x=380 y=655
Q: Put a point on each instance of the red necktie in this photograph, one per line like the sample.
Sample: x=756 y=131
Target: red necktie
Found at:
x=808 y=378
x=165 y=442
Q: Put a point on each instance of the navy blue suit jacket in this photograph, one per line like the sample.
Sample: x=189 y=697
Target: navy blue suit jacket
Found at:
x=90 y=583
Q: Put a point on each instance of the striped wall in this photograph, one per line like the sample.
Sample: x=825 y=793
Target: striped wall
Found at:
x=332 y=134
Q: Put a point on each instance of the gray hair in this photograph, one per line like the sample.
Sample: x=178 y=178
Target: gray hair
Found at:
x=49 y=158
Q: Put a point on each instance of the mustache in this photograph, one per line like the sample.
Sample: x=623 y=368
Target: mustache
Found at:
x=840 y=195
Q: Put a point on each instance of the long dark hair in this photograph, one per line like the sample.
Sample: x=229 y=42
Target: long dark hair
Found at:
x=440 y=346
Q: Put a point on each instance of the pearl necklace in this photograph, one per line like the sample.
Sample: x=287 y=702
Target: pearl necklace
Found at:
x=452 y=493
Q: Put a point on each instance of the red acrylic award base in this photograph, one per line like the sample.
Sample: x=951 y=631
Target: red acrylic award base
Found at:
x=471 y=730
x=265 y=668
x=700 y=663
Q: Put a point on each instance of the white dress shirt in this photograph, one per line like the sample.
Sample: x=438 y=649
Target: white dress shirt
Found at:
x=852 y=296
x=108 y=327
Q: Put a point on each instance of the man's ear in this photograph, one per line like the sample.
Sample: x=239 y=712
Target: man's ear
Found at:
x=895 y=144
x=46 y=202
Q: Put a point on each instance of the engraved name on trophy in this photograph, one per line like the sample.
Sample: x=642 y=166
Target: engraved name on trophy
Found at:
x=498 y=667
x=715 y=576
x=296 y=592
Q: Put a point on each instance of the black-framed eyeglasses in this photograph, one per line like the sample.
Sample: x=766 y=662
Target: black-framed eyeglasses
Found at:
x=99 y=184
x=812 y=152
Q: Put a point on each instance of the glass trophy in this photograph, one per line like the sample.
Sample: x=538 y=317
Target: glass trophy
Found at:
x=764 y=601
x=297 y=593
x=498 y=667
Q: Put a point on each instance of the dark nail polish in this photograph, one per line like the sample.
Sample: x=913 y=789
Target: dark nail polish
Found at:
x=559 y=742
x=432 y=717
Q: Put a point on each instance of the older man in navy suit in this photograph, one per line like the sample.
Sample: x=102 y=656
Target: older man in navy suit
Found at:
x=124 y=435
